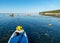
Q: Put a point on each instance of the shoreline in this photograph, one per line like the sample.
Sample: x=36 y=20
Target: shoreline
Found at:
x=53 y=13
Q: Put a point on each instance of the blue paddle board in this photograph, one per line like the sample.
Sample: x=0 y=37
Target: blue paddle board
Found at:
x=18 y=37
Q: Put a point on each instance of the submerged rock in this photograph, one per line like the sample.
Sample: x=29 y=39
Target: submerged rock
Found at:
x=46 y=34
x=49 y=24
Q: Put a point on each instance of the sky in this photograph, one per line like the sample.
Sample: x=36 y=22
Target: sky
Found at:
x=28 y=6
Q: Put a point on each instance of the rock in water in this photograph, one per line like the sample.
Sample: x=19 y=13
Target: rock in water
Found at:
x=49 y=24
x=12 y=14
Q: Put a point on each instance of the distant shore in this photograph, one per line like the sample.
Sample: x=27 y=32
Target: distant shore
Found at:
x=54 y=13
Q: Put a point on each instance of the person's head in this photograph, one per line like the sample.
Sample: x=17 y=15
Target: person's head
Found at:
x=19 y=28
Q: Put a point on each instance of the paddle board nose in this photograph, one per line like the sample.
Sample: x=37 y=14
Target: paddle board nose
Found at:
x=19 y=36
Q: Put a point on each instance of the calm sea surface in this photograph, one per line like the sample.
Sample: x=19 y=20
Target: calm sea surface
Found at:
x=36 y=27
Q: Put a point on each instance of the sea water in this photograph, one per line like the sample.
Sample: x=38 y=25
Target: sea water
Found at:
x=36 y=27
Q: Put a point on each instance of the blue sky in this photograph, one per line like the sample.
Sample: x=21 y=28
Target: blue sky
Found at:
x=28 y=6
